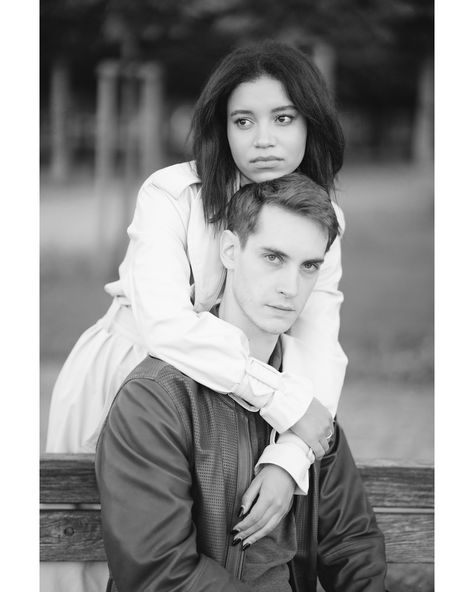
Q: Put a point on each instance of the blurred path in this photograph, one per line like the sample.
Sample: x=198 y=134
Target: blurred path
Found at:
x=386 y=420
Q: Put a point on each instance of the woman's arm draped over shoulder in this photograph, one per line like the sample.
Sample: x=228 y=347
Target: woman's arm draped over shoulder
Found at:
x=158 y=284
x=156 y=279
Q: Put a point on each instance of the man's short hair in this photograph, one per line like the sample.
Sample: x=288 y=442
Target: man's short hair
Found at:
x=295 y=192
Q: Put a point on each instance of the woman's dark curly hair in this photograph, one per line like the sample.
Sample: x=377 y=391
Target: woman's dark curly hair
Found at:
x=305 y=87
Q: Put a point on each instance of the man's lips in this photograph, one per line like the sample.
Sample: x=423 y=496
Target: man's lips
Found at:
x=282 y=307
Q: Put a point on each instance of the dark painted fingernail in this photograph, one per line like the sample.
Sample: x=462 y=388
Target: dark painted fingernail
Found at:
x=234 y=531
x=246 y=546
x=241 y=512
x=236 y=542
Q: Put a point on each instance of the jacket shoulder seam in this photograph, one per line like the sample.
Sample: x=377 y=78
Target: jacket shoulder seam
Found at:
x=154 y=377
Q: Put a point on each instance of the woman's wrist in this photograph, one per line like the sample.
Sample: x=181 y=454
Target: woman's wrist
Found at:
x=282 y=398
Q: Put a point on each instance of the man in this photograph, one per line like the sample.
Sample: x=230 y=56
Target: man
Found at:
x=174 y=458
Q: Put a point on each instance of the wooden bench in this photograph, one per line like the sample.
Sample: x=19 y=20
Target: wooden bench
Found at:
x=402 y=496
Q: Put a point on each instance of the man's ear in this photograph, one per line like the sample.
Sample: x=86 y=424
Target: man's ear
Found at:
x=229 y=248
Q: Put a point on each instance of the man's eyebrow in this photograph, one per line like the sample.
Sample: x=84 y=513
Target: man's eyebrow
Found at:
x=283 y=255
x=274 y=251
x=315 y=261
x=249 y=112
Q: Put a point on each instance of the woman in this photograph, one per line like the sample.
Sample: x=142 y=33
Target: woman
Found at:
x=264 y=112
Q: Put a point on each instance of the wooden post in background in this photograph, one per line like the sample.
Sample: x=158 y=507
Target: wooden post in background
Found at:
x=60 y=104
x=152 y=117
x=324 y=56
x=130 y=120
x=105 y=147
x=129 y=169
x=423 y=127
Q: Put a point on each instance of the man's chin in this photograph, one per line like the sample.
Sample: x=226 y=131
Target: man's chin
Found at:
x=277 y=327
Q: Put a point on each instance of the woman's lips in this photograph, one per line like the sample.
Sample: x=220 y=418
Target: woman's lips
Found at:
x=265 y=161
x=265 y=158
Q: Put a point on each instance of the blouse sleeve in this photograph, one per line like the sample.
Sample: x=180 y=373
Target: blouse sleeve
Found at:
x=157 y=281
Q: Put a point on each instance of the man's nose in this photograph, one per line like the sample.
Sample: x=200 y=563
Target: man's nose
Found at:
x=289 y=283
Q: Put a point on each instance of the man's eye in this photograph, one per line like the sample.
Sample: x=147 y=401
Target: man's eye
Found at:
x=272 y=258
x=311 y=267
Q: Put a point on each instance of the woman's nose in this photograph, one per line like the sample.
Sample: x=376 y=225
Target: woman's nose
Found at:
x=264 y=138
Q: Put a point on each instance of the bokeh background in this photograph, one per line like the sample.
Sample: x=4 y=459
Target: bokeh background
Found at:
x=118 y=81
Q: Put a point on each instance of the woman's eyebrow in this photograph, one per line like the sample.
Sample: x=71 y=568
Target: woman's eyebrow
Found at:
x=284 y=108
x=249 y=112
x=240 y=112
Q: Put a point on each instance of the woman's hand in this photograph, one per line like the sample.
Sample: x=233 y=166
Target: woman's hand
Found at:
x=273 y=489
x=315 y=428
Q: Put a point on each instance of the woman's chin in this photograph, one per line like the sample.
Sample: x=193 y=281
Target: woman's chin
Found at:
x=262 y=175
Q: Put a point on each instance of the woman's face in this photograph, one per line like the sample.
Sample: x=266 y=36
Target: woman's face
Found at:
x=266 y=134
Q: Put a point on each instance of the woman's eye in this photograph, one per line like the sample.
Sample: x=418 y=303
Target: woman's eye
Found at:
x=242 y=123
x=285 y=119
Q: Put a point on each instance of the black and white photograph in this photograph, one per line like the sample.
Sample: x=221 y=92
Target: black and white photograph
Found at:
x=236 y=296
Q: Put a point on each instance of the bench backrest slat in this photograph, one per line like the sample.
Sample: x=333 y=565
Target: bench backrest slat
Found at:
x=70 y=478
x=389 y=485
x=401 y=495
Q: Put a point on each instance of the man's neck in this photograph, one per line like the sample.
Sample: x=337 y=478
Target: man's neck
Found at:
x=262 y=346
x=261 y=343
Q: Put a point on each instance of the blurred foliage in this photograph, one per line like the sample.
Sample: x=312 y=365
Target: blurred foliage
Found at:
x=71 y=32
x=380 y=45
x=83 y=32
x=64 y=25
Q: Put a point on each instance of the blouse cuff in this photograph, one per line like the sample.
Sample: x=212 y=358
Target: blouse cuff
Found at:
x=293 y=459
x=282 y=398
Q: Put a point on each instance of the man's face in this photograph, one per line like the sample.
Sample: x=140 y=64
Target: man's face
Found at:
x=274 y=274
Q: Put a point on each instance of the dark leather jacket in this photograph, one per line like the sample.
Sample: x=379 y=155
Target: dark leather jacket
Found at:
x=172 y=463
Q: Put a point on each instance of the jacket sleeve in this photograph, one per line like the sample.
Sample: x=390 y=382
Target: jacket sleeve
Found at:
x=351 y=550
x=144 y=479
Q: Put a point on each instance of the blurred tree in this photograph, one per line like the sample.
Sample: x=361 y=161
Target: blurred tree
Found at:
x=71 y=30
x=67 y=63
x=381 y=48
x=368 y=35
x=171 y=32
